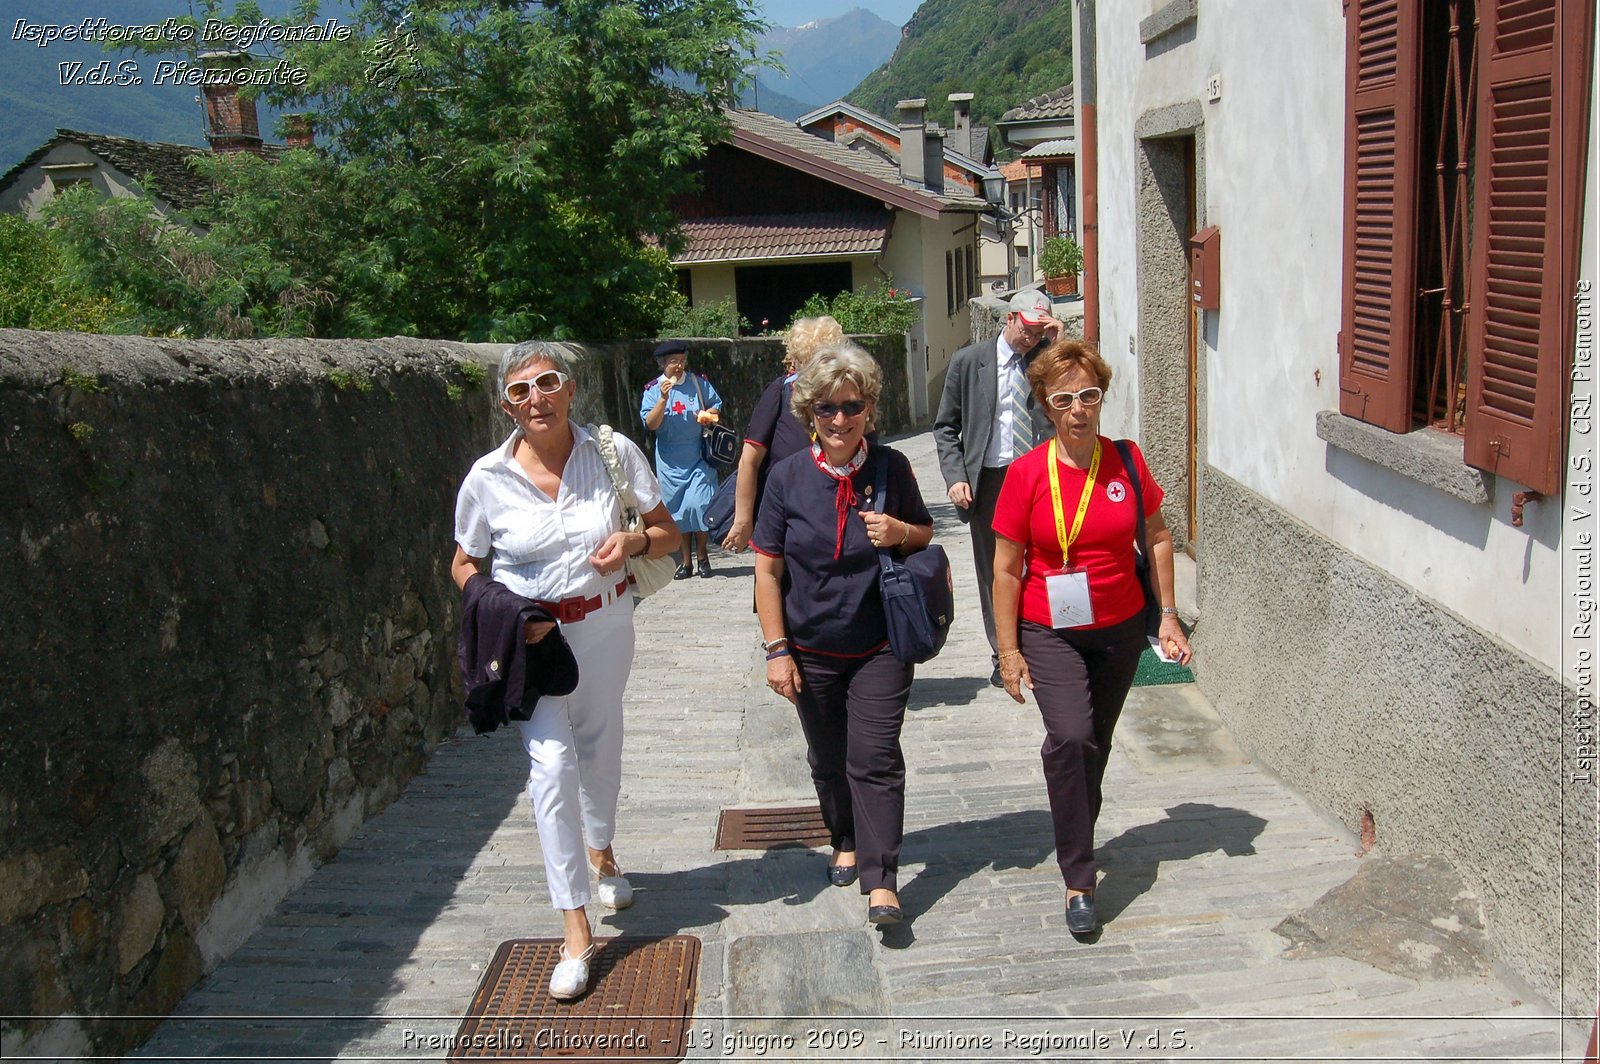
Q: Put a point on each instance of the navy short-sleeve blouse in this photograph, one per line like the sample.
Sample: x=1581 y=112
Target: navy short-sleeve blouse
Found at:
x=831 y=605
x=774 y=426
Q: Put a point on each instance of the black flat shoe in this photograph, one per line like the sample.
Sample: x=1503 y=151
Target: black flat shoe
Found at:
x=842 y=875
x=1080 y=915
x=884 y=915
x=683 y=572
x=705 y=567
x=995 y=680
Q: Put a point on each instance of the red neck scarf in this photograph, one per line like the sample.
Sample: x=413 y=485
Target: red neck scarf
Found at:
x=844 y=496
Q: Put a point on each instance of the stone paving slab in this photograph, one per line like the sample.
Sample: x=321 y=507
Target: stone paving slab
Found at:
x=1202 y=855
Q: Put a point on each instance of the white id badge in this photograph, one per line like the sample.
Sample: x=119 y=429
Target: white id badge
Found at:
x=1069 y=598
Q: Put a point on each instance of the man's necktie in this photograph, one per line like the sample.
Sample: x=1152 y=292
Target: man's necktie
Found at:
x=1021 y=418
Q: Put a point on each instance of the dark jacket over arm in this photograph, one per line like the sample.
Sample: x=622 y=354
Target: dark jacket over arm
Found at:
x=504 y=676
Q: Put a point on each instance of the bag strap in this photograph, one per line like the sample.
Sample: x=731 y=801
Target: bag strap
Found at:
x=1144 y=544
x=606 y=441
x=699 y=396
x=880 y=491
x=1126 y=454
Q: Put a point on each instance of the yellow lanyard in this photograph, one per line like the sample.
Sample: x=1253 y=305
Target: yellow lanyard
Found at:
x=1083 y=501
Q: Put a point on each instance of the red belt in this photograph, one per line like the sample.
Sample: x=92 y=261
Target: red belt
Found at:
x=576 y=608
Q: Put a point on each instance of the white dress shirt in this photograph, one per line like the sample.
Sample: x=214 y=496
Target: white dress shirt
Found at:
x=540 y=546
x=998 y=454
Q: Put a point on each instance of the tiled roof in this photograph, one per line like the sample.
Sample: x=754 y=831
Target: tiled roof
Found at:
x=165 y=164
x=973 y=162
x=787 y=143
x=1057 y=103
x=770 y=236
x=1020 y=171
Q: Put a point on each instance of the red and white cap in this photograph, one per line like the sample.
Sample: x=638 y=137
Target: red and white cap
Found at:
x=1033 y=305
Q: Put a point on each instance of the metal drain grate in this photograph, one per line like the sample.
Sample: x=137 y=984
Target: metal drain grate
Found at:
x=763 y=829
x=639 y=1004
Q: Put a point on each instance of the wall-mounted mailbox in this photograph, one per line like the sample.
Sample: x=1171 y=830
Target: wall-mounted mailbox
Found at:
x=1205 y=263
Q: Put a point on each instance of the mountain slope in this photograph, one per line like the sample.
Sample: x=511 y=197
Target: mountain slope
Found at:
x=1003 y=51
x=829 y=57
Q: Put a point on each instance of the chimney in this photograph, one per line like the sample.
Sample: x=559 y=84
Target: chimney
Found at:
x=933 y=158
x=230 y=121
x=297 y=132
x=913 y=137
x=961 y=123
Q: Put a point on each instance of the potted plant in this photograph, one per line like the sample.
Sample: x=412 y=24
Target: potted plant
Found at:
x=1061 y=260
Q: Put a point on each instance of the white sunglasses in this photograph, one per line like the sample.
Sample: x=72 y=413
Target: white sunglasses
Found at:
x=1063 y=400
x=549 y=382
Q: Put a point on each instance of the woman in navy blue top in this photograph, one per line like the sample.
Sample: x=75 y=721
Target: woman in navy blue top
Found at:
x=822 y=622
x=774 y=433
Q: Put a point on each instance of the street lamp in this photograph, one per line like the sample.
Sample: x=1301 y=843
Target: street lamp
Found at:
x=1006 y=219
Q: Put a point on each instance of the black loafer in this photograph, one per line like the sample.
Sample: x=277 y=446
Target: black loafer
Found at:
x=995 y=679
x=705 y=568
x=884 y=915
x=1080 y=915
x=842 y=875
x=683 y=572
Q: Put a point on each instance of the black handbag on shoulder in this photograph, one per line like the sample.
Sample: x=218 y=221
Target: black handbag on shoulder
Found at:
x=719 y=445
x=919 y=599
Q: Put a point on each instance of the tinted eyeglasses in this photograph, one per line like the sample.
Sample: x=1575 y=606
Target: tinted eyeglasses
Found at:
x=1063 y=400
x=549 y=382
x=853 y=408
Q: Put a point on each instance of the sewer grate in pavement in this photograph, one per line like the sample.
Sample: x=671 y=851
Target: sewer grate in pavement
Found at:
x=638 y=1006
x=763 y=829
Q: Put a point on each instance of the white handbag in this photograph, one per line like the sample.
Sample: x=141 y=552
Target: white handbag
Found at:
x=647 y=575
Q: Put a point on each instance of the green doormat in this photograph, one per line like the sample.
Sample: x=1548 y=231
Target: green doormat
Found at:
x=1153 y=671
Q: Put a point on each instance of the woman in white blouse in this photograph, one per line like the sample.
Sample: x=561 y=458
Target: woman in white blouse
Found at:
x=540 y=511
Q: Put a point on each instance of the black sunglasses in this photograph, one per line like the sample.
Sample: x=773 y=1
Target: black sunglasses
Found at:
x=853 y=408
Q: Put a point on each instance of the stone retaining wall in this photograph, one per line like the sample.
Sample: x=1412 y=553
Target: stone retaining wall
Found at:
x=230 y=630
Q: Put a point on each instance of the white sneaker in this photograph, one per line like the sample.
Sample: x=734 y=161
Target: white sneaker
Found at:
x=571 y=977
x=615 y=892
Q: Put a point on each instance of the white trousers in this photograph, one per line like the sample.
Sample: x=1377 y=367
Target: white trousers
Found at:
x=574 y=749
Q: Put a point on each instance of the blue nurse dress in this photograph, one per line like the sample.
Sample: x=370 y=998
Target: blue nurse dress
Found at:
x=687 y=482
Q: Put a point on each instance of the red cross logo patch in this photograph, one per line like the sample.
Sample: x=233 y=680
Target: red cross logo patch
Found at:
x=1116 y=491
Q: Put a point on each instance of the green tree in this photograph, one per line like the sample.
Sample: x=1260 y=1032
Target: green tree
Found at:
x=489 y=169
x=35 y=289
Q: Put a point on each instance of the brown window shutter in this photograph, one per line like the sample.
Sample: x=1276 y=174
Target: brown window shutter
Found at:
x=1382 y=52
x=1533 y=110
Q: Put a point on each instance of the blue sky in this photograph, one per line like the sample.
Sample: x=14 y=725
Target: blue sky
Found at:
x=797 y=12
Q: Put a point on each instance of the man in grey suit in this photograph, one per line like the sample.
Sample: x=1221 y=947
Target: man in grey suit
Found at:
x=986 y=419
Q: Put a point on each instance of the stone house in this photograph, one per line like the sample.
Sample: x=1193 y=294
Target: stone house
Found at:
x=1340 y=281
x=781 y=214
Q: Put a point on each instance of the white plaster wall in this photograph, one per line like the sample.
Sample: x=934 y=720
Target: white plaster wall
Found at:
x=32 y=188
x=711 y=282
x=1273 y=158
x=1119 y=58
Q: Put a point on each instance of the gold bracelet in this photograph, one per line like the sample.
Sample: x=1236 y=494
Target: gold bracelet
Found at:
x=907 y=537
x=1005 y=653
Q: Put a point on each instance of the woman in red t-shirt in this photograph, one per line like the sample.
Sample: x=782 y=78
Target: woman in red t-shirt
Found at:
x=1068 y=607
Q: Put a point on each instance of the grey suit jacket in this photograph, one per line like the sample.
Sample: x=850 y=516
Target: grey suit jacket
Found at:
x=967 y=409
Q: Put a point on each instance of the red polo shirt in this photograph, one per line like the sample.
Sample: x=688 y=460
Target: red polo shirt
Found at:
x=1023 y=514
